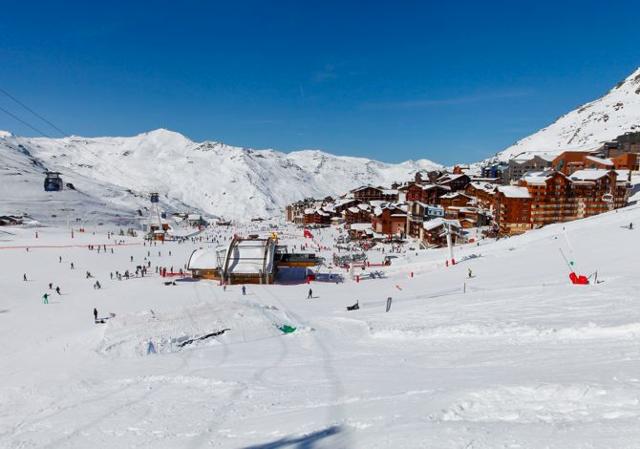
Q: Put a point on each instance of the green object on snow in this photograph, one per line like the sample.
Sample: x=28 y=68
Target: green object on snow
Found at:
x=285 y=328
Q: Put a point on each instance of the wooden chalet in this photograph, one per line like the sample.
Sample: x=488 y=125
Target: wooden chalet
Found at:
x=434 y=232
x=426 y=193
x=457 y=199
x=389 y=220
x=316 y=217
x=483 y=192
x=357 y=214
x=371 y=193
x=455 y=182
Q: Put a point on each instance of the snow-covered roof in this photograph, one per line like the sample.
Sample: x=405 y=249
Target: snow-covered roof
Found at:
x=360 y=226
x=514 y=191
x=538 y=177
x=450 y=177
x=344 y=201
x=487 y=187
x=309 y=210
x=390 y=191
x=437 y=222
x=357 y=189
x=589 y=174
x=203 y=259
x=364 y=206
x=249 y=256
x=354 y=209
x=454 y=195
x=194 y=217
x=600 y=160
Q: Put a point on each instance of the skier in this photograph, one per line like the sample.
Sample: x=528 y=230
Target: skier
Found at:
x=50 y=286
x=95 y=315
x=45 y=298
x=310 y=295
x=131 y=258
x=58 y=290
x=24 y=277
x=59 y=259
x=244 y=290
x=470 y=273
x=630 y=226
x=72 y=267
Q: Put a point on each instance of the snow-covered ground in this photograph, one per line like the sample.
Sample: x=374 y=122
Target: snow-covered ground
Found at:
x=514 y=357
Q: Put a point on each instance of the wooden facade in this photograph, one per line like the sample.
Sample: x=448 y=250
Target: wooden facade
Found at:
x=370 y=193
x=389 y=221
x=512 y=209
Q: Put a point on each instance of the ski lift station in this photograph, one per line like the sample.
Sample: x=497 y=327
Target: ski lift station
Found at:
x=252 y=260
x=52 y=182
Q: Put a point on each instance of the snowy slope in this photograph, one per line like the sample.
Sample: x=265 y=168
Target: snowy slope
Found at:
x=218 y=179
x=517 y=359
x=93 y=201
x=588 y=126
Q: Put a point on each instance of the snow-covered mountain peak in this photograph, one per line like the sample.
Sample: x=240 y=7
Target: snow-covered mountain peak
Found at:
x=215 y=178
x=590 y=125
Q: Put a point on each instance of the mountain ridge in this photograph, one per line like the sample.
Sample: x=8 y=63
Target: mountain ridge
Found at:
x=588 y=126
x=212 y=177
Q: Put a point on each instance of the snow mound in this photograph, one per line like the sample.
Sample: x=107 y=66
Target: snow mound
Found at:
x=190 y=327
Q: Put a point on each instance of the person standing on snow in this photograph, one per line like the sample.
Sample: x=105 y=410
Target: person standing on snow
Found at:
x=244 y=290
x=58 y=289
x=470 y=273
x=95 y=314
x=24 y=277
x=310 y=295
x=45 y=298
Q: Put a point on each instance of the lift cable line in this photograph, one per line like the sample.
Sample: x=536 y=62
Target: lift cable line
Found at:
x=48 y=122
x=10 y=114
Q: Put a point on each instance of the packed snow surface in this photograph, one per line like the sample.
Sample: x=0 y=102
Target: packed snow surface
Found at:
x=512 y=357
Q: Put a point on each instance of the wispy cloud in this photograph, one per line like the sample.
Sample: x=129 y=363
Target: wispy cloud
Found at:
x=450 y=101
x=327 y=73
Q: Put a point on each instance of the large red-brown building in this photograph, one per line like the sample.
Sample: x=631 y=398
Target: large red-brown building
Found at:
x=547 y=197
x=426 y=193
x=357 y=214
x=512 y=209
x=316 y=217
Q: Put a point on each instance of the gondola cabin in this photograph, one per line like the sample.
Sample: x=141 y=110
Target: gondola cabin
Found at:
x=53 y=182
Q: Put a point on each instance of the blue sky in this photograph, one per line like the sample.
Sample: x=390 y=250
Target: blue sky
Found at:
x=448 y=81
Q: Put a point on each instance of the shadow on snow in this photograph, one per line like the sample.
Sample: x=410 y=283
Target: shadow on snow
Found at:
x=310 y=441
